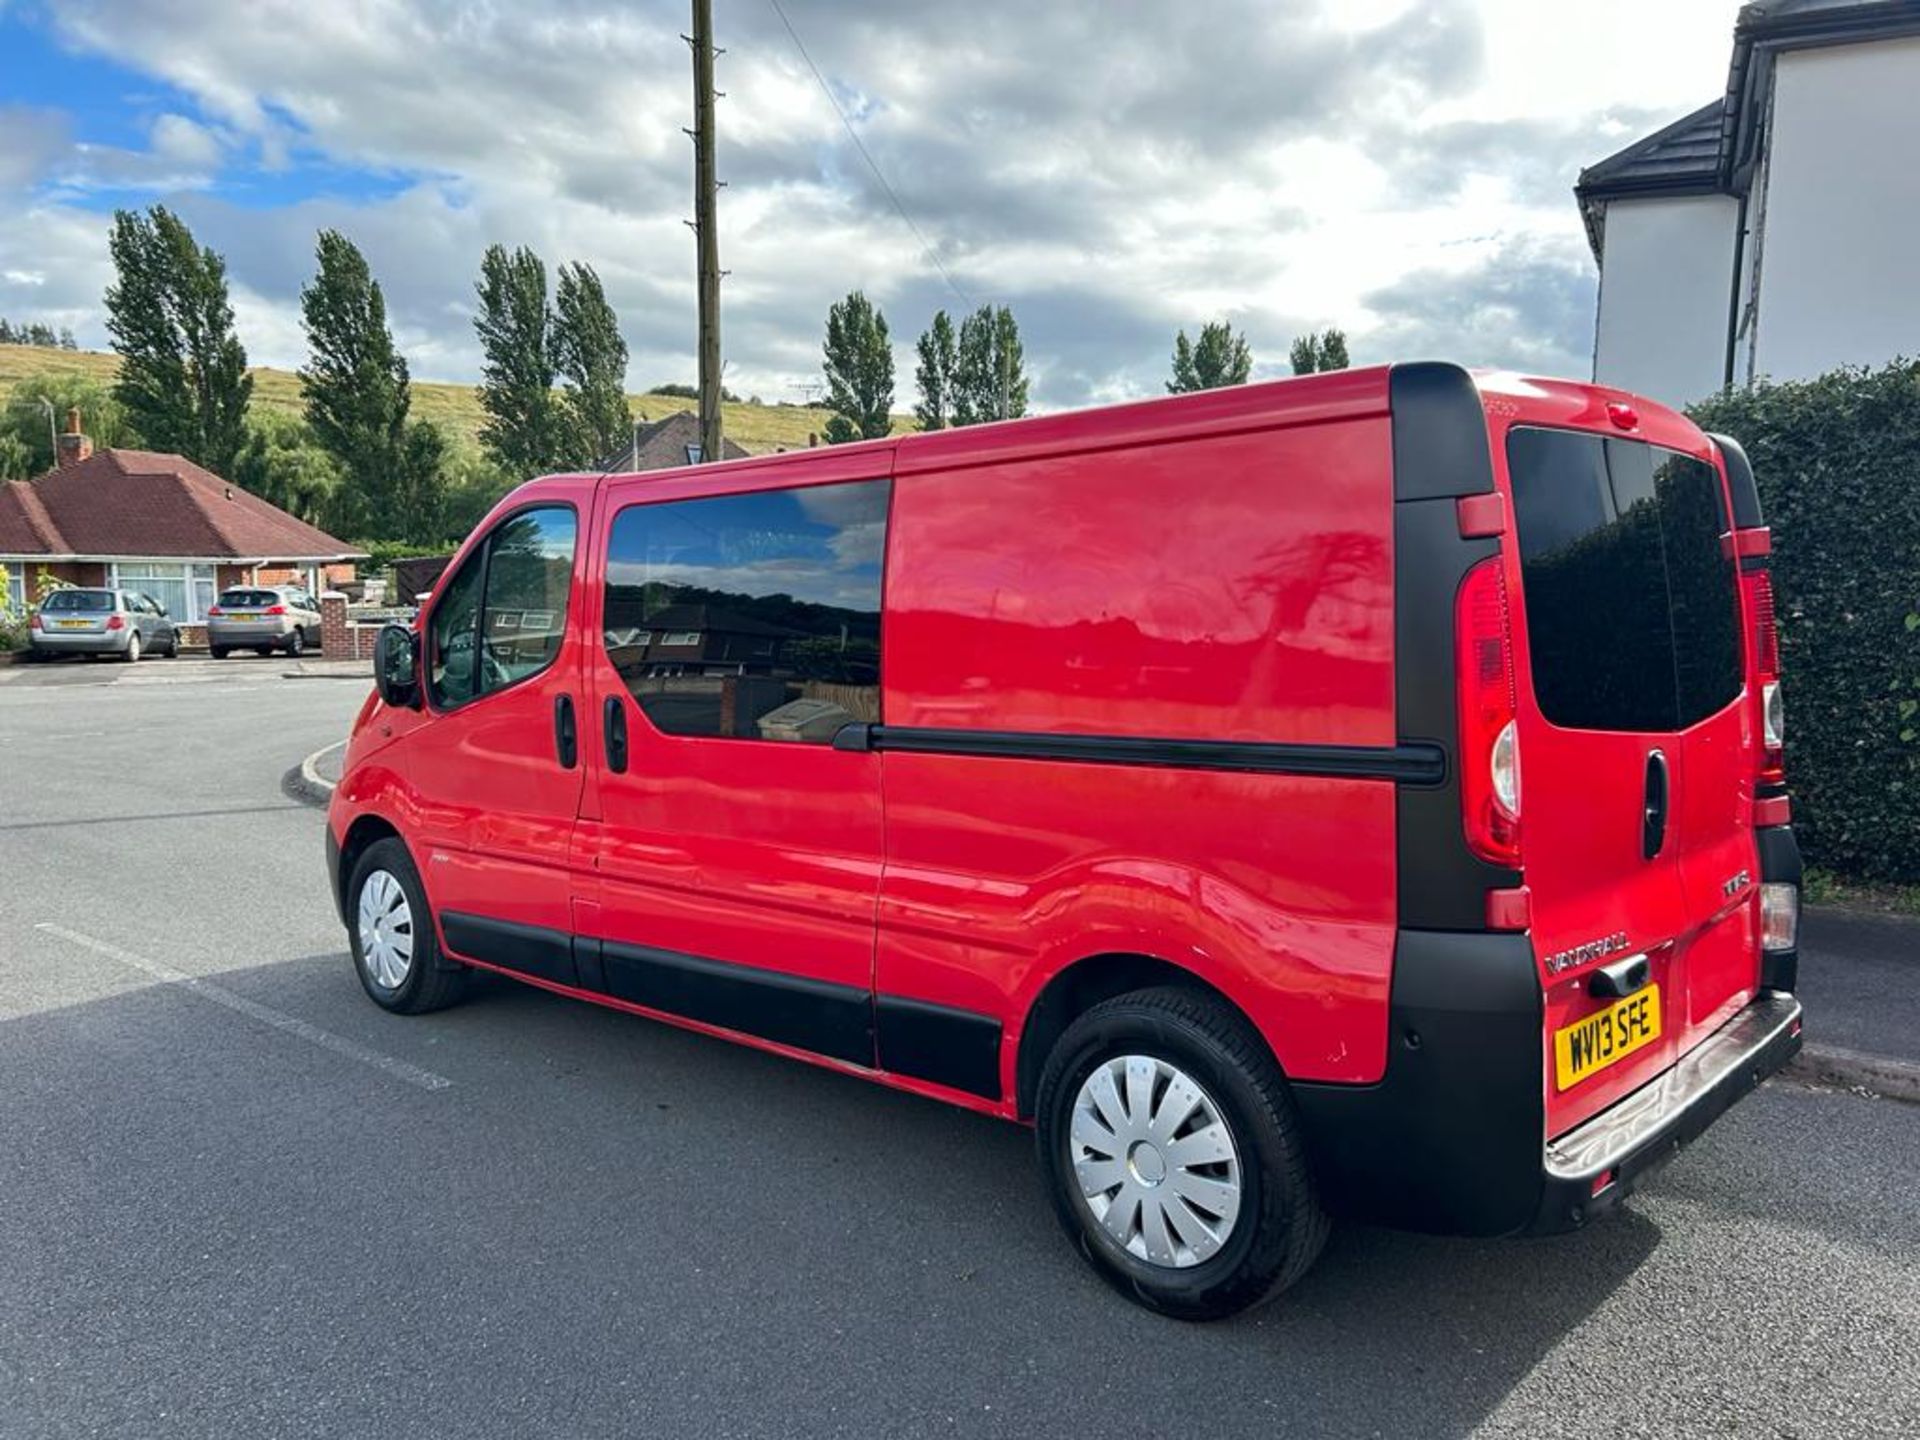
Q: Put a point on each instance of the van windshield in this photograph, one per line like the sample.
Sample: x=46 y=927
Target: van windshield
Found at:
x=1631 y=599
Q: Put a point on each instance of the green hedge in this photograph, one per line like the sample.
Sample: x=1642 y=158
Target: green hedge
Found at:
x=1838 y=464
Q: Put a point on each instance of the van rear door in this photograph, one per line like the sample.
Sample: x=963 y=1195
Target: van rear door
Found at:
x=1636 y=756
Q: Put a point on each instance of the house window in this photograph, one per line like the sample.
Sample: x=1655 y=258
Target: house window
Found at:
x=782 y=586
x=184 y=590
x=16 y=596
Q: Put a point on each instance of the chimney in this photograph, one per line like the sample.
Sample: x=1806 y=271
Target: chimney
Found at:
x=73 y=446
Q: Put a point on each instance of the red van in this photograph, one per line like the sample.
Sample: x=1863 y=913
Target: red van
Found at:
x=1359 y=794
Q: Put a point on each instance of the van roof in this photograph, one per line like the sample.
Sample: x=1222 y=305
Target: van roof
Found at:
x=1333 y=395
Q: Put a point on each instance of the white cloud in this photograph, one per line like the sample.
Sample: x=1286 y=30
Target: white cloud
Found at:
x=1111 y=168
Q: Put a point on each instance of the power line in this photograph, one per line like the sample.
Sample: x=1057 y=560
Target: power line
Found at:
x=854 y=136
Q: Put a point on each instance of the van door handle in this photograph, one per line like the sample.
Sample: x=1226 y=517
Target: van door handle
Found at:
x=615 y=731
x=566 y=735
x=1653 y=818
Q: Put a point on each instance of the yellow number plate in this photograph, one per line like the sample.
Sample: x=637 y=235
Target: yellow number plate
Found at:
x=242 y=615
x=1606 y=1036
x=76 y=624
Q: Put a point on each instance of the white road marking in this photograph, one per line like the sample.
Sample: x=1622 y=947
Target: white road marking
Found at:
x=265 y=1014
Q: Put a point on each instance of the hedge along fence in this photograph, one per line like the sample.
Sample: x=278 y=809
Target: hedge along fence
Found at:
x=1838 y=464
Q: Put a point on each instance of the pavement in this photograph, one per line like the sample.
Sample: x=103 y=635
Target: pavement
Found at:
x=238 y=1199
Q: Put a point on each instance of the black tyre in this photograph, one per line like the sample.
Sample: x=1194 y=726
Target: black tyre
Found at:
x=265 y=651
x=297 y=643
x=218 y=652
x=1174 y=1157
x=132 y=653
x=395 y=951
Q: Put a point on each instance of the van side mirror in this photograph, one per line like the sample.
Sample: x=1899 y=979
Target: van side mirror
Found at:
x=396 y=667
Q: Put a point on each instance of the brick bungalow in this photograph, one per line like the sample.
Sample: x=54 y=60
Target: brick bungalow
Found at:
x=155 y=523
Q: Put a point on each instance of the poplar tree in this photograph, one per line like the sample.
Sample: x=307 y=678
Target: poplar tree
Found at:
x=1220 y=358
x=524 y=431
x=858 y=358
x=590 y=355
x=183 y=380
x=934 y=375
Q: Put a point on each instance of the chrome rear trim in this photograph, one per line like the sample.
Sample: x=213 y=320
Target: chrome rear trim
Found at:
x=1660 y=1105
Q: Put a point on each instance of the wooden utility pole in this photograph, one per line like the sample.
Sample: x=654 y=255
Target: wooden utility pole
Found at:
x=706 y=195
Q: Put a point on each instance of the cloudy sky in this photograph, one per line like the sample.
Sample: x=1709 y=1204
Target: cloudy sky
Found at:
x=1112 y=169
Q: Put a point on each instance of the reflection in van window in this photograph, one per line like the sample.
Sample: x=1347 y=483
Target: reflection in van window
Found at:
x=527 y=565
x=751 y=616
x=1628 y=582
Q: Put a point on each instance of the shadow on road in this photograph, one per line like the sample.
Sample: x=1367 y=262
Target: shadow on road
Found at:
x=606 y=1222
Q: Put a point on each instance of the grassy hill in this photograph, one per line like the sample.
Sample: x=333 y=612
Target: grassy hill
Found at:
x=456 y=408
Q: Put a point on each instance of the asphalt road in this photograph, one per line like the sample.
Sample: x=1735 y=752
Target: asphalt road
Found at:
x=236 y=1199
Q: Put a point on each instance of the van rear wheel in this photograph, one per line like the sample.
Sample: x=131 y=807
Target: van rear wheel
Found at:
x=395 y=951
x=1174 y=1157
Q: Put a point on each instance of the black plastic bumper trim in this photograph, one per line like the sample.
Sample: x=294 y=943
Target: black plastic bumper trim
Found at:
x=955 y=1048
x=333 y=875
x=531 y=949
x=815 y=1015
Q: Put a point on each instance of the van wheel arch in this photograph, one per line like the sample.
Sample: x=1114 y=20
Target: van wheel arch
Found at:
x=366 y=831
x=1078 y=988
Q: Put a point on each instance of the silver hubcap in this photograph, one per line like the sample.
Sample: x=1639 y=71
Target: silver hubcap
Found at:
x=386 y=930
x=1155 y=1161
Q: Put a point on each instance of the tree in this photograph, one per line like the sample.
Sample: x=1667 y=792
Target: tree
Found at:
x=1313 y=353
x=183 y=378
x=284 y=465
x=25 y=419
x=590 y=354
x=358 y=396
x=1221 y=358
x=935 y=373
x=989 y=375
x=523 y=431
x=859 y=367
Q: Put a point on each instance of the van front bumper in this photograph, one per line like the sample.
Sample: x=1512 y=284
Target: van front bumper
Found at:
x=1452 y=1138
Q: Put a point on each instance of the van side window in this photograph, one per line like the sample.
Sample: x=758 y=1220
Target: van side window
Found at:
x=753 y=616
x=500 y=618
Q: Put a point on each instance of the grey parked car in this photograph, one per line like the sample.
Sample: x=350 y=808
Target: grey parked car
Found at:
x=124 y=623
x=265 y=618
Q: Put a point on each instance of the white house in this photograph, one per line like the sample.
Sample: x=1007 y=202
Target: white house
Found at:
x=1774 y=233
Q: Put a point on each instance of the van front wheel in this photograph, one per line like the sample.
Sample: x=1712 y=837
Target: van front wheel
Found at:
x=1174 y=1157
x=395 y=951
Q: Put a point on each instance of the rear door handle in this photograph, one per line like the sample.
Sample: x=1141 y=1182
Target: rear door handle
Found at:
x=614 y=730
x=1653 y=817
x=566 y=735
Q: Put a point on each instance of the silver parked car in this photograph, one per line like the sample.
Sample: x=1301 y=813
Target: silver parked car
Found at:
x=124 y=623
x=265 y=618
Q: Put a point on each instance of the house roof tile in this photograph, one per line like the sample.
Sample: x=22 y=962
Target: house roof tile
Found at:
x=140 y=503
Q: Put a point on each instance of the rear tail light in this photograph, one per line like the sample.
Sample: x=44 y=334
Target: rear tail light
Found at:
x=1766 y=662
x=34 y=623
x=1779 y=916
x=276 y=610
x=116 y=622
x=214 y=611
x=1489 y=736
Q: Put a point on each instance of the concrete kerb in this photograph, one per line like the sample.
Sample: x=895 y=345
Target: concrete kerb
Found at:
x=1852 y=1070
x=306 y=784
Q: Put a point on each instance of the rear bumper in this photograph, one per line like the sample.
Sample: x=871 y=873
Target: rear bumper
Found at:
x=1632 y=1138
x=1452 y=1138
x=108 y=642
x=239 y=637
